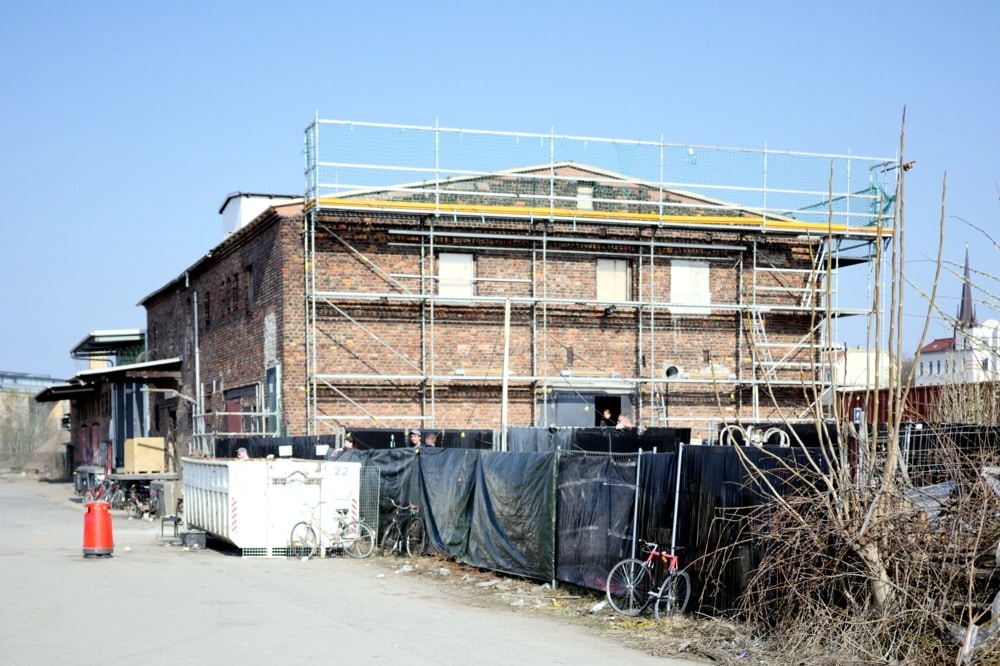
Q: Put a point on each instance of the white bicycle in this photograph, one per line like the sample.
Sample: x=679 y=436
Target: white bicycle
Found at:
x=351 y=536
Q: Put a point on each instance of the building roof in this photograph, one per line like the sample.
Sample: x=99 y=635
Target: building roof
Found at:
x=108 y=343
x=281 y=198
x=156 y=373
x=67 y=391
x=941 y=344
x=149 y=370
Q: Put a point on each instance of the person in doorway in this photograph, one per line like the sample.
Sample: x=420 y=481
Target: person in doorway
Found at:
x=241 y=454
x=606 y=419
x=415 y=435
x=430 y=439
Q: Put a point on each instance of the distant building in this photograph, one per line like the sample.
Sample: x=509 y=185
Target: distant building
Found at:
x=108 y=401
x=22 y=382
x=970 y=355
x=860 y=368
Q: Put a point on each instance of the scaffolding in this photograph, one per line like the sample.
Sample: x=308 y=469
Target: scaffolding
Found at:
x=839 y=206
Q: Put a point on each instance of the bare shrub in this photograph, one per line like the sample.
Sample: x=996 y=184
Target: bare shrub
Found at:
x=861 y=555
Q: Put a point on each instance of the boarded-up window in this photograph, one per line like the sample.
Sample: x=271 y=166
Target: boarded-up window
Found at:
x=456 y=275
x=690 y=291
x=612 y=280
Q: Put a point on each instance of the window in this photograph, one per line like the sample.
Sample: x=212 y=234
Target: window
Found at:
x=690 y=291
x=224 y=298
x=939 y=367
x=612 y=280
x=986 y=364
x=248 y=281
x=921 y=367
x=585 y=198
x=234 y=293
x=456 y=274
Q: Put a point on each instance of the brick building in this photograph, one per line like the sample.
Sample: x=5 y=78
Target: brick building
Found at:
x=108 y=400
x=538 y=295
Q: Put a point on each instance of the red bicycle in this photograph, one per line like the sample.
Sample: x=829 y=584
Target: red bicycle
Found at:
x=632 y=585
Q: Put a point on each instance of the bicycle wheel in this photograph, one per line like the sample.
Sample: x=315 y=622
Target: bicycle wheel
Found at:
x=358 y=539
x=629 y=583
x=302 y=542
x=674 y=595
x=416 y=537
x=392 y=539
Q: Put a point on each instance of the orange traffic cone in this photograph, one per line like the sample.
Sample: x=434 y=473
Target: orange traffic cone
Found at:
x=97 y=537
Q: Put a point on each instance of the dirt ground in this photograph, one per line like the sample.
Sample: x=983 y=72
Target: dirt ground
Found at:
x=698 y=639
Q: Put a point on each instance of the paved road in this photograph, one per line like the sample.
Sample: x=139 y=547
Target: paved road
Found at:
x=157 y=604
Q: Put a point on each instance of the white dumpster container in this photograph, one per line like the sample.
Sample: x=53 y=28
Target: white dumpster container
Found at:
x=253 y=504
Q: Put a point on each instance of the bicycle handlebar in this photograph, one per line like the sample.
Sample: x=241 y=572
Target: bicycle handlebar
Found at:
x=654 y=548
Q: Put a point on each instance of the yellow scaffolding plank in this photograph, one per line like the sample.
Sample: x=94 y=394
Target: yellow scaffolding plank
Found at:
x=721 y=221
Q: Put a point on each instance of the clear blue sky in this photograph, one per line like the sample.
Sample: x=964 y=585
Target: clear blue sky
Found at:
x=123 y=125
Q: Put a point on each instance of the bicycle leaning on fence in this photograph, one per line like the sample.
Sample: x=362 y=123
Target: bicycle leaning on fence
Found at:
x=405 y=531
x=632 y=586
x=352 y=536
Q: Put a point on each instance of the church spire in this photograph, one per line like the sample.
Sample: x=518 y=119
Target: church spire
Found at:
x=966 y=309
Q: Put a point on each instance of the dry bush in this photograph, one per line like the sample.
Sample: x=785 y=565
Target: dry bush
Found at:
x=958 y=402
x=814 y=595
x=855 y=560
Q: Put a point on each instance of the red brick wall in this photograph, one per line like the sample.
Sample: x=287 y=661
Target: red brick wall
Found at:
x=245 y=279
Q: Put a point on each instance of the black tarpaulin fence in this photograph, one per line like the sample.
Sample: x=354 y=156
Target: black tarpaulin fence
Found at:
x=303 y=447
x=487 y=509
x=513 y=516
x=571 y=515
x=719 y=502
x=596 y=440
x=448 y=483
x=381 y=438
x=594 y=509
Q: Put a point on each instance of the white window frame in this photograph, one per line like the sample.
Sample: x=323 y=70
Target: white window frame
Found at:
x=456 y=274
x=690 y=287
x=613 y=280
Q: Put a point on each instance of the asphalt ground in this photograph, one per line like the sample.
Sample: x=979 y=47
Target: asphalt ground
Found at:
x=155 y=602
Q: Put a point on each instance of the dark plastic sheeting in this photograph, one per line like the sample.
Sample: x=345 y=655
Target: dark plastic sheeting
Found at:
x=568 y=515
x=303 y=447
x=717 y=497
x=596 y=494
x=448 y=481
x=596 y=440
x=486 y=509
x=513 y=521
x=380 y=438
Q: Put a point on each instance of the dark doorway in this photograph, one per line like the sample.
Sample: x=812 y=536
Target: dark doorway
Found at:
x=606 y=410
